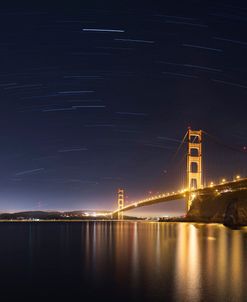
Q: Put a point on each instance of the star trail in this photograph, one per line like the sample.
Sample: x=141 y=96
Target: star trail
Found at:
x=94 y=98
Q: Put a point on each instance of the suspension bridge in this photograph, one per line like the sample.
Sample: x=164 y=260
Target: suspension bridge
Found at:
x=195 y=185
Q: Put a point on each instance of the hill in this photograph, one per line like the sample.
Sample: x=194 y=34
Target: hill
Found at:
x=229 y=208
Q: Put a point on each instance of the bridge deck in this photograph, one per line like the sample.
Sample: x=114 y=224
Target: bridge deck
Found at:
x=224 y=186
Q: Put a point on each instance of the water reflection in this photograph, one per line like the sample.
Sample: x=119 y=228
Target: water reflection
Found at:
x=126 y=261
x=135 y=260
x=237 y=266
x=182 y=262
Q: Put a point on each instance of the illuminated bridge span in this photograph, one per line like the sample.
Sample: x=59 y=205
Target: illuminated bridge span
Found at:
x=194 y=180
x=226 y=186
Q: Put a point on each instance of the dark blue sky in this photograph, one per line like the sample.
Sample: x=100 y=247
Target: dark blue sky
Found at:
x=95 y=97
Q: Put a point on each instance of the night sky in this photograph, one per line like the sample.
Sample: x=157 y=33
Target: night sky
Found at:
x=96 y=97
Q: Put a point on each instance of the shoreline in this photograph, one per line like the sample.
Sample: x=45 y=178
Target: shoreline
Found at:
x=122 y=221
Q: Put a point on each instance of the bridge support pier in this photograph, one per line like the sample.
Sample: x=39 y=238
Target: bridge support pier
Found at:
x=120 y=198
x=194 y=164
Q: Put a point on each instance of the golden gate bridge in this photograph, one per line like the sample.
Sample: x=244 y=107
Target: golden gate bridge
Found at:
x=194 y=180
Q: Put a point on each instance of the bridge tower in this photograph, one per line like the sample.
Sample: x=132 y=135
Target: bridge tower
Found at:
x=120 y=199
x=194 y=163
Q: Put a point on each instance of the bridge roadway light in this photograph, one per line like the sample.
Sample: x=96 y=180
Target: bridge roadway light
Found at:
x=193 y=195
x=238 y=177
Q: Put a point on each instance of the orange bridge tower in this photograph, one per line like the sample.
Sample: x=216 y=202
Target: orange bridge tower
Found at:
x=120 y=198
x=194 y=163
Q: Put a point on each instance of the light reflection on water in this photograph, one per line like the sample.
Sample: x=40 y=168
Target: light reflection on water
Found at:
x=182 y=262
x=133 y=261
x=188 y=274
